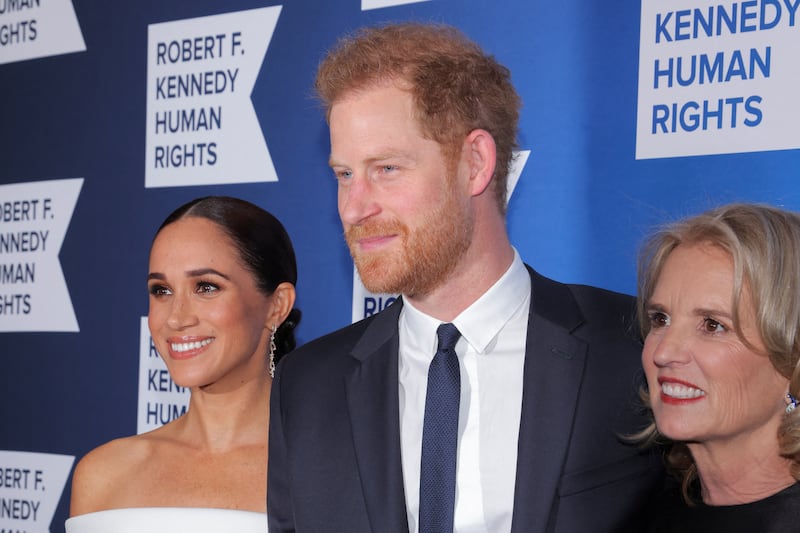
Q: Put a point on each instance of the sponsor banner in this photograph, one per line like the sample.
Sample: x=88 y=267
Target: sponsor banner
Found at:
x=366 y=303
x=30 y=29
x=31 y=485
x=202 y=127
x=34 y=217
x=718 y=77
x=160 y=399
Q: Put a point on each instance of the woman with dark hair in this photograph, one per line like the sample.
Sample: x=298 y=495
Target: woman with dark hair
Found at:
x=221 y=281
x=719 y=301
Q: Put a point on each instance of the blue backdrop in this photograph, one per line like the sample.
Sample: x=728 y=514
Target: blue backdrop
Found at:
x=578 y=213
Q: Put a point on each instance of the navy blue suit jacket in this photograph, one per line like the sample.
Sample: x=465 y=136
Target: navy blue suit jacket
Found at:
x=334 y=443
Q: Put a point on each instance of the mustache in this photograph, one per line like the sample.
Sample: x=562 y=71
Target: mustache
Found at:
x=375 y=228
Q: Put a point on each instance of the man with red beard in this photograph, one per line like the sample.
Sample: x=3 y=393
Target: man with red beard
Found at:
x=423 y=127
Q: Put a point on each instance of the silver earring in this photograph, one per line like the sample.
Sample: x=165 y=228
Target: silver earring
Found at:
x=272 y=351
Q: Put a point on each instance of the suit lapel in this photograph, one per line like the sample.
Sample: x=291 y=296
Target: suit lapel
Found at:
x=373 y=402
x=554 y=361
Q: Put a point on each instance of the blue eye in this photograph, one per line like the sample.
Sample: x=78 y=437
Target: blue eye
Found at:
x=343 y=175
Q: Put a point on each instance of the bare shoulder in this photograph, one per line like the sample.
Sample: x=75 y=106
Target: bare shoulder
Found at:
x=101 y=475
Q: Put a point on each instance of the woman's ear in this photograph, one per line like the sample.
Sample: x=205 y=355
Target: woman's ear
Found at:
x=282 y=301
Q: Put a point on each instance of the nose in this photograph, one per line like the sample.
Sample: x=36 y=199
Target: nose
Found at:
x=357 y=200
x=667 y=347
x=181 y=313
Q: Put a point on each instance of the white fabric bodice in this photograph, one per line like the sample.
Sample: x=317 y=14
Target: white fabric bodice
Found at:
x=168 y=520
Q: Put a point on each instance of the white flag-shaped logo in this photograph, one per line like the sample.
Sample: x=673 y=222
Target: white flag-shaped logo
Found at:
x=30 y=29
x=202 y=127
x=31 y=488
x=34 y=218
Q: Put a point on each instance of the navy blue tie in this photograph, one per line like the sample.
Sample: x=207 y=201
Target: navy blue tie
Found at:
x=437 y=479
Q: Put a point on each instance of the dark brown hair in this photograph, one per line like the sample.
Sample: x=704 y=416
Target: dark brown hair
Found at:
x=262 y=242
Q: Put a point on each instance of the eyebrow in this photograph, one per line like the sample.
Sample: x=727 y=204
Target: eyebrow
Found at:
x=381 y=156
x=697 y=311
x=701 y=311
x=650 y=306
x=190 y=274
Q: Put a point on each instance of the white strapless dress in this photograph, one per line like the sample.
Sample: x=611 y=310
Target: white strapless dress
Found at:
x=168 y=520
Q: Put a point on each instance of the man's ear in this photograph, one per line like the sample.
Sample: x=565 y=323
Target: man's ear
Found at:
x=481 y=155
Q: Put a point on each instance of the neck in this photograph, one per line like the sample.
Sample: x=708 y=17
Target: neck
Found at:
x=223 y=420
x=737 y=474
x=485 y=262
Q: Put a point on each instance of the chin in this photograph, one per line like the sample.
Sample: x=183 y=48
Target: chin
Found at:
x=185 y=381
x=676 y=433
x=378 y=280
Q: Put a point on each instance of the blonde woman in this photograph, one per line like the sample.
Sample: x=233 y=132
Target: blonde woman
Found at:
x=719 y=298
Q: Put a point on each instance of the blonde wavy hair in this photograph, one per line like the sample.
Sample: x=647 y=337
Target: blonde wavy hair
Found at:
x=764 y=244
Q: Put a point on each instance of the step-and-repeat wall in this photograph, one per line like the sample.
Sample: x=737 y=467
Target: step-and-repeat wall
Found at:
x=114 y=113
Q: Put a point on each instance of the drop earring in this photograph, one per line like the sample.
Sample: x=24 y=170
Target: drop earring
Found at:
x=791 y=403
x=272 y=352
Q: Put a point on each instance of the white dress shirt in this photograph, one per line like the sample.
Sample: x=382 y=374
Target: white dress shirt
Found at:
x=491 y=354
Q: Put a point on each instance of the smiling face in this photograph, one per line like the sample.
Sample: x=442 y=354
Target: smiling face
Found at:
x=406 y=222
x=207 y=317
x=706 y=385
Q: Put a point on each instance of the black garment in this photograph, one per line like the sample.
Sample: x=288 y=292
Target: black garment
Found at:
x=779 y=513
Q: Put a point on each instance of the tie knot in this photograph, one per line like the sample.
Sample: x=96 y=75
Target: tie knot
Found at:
x=448 y=336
